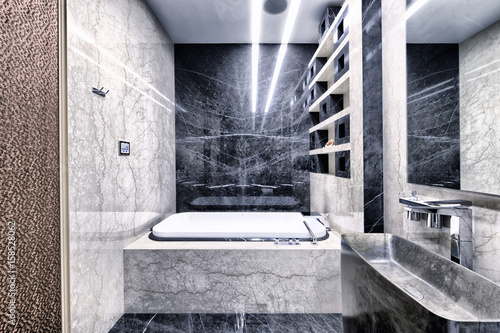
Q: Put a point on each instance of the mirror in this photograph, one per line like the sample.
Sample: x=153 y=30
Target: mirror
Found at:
x=453 y=99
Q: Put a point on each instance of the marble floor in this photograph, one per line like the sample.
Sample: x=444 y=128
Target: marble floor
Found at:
x=212 y=323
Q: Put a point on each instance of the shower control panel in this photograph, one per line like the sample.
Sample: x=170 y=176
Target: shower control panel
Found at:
x=123 y=148
x=286 y=241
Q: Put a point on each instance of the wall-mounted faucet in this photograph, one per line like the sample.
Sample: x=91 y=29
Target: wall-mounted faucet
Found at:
x=454 y=215
x=413 y=194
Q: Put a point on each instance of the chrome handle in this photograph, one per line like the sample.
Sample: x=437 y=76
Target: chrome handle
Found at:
x=313 y=236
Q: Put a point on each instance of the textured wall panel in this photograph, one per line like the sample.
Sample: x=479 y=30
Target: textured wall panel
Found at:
x=29 y=155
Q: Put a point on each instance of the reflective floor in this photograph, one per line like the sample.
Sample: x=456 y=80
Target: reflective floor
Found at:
x=234 y=323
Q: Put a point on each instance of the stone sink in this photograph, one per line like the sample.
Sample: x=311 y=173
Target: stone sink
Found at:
x=390 y=284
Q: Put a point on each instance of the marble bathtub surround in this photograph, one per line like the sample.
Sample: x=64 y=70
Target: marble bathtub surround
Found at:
x=223 y=149
x=114 y=199
x=224 y=277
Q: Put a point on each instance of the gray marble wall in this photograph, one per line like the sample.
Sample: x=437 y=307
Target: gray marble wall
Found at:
x=229 y=158
x=480 y=133
x=486 y=208
x=118 y=45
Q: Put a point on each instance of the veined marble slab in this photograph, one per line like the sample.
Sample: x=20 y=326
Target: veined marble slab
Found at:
x=118 y=45
x=224 y=277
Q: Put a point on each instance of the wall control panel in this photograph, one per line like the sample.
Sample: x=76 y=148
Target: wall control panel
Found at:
x=123 y=148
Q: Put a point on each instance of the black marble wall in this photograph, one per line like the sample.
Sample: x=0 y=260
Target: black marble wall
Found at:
x=372 y=116
x=433 y=114
x=227 y=157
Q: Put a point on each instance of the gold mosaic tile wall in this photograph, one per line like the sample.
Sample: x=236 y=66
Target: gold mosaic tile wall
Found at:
x=30 y=283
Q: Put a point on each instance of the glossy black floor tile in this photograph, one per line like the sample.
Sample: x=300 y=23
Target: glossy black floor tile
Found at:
x=212 y=323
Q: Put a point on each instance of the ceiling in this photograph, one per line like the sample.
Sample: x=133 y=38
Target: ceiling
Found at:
x=450 y=21
x=228 y=21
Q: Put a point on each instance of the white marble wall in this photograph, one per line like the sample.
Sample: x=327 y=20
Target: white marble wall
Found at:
x=480 y=111
x=486 y=209
x=118 y=45
x=340 y=200
x=228 y=277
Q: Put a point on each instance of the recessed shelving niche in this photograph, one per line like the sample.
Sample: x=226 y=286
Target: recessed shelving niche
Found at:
x=332 y=108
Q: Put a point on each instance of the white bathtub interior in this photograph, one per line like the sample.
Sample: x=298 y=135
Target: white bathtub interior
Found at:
x=264 y=225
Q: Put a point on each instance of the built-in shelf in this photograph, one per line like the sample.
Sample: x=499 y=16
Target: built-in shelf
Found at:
x=331 y=149
x=328 y=87
x=338 y=88
x=326 y=72
x=329 y=124
x=325 y=48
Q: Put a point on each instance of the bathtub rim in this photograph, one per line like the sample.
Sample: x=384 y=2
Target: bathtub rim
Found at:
x=280 y=240
x=232 y=239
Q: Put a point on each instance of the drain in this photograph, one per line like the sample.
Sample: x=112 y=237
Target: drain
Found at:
x=240 y=322
x=414 y=292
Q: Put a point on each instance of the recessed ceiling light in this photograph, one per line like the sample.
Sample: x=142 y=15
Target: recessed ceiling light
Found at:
x=274 y=7
x=290 y=21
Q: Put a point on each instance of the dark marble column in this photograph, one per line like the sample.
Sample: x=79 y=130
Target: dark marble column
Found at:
x=372 y=116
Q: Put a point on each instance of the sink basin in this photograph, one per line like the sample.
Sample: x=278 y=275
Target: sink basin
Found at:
x=390 y=284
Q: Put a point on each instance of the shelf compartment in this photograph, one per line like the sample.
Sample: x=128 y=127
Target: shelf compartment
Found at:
x=318 y=139
x=341 y=63
x=325 y=48
x=341 y=28
x=329 y=106
x=330 y=122
x=330 y=150
x=318 y=163
x=338 y=88
x=317 y=91
x=343 y=164
x=326 y=73
x=327 y=21
x=342 y=130
x=317 y=65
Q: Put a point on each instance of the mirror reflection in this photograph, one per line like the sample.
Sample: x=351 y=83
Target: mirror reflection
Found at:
x=453 y=104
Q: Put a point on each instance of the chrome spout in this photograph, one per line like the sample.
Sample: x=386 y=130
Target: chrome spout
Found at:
x=434 y=220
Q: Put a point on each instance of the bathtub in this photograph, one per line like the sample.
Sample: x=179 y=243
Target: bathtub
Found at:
x=240 y=226
x=198 y=275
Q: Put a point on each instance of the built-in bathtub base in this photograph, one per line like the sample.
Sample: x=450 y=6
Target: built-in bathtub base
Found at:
x=204 y=277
